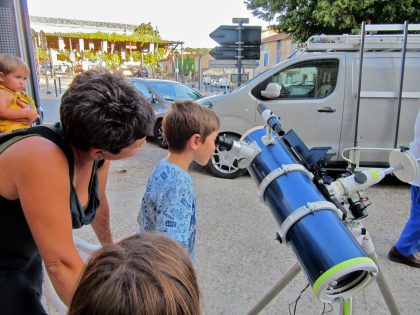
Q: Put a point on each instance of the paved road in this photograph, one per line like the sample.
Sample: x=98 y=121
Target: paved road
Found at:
x=237 y=258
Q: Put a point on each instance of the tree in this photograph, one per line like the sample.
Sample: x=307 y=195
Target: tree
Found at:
x=304 y=18
x=146 y=29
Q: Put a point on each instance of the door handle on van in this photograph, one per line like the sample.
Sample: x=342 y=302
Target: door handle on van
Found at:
x=326 y=110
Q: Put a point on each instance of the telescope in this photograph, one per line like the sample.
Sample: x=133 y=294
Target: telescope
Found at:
x=309 y=208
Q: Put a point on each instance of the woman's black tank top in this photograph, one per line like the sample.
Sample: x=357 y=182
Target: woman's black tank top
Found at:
x=20 y=262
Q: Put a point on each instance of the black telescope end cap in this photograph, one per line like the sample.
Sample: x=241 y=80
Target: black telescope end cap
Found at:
x=224 y=142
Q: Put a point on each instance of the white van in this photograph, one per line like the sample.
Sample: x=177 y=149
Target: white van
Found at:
x=321 y=100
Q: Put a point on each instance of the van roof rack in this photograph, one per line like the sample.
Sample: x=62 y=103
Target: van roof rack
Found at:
x=372 y=41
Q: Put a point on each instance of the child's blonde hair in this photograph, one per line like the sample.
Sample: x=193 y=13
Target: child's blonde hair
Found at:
x=9 y=63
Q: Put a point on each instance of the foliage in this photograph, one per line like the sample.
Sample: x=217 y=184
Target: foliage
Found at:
x=198 y=51
x=91 y=55
x=146 y=30
x=113 y=37
x=304 y=18
x=43 y=56
x=63 y=55
x=187 y=67
x=112 y=61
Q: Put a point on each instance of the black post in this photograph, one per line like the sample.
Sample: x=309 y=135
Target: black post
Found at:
x=239 y=61
x=59 y=84
x=55 y=87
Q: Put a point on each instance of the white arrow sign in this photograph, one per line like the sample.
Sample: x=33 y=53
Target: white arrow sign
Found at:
x=246 y=64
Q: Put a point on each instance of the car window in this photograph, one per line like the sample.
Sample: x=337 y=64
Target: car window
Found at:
x=175 y=91
x=308 y=79
x=143 y=89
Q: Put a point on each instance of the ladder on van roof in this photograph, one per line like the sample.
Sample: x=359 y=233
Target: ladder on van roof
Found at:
x=369 y=41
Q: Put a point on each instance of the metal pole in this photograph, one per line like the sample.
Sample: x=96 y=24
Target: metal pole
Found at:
x=404 y=51
x=276 y=289
x=182 y=63
x=55 y=87
x=199 y=71
x=239 y=56
x=385 y=290
x=362 y=47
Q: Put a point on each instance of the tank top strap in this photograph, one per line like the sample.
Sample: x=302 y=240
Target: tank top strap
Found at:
x=52 y=132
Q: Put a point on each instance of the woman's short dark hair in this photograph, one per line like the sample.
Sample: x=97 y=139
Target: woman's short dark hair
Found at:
x=146 y=274
x=103 y=110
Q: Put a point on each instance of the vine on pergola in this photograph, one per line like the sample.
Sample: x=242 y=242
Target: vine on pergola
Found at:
x=113 y=37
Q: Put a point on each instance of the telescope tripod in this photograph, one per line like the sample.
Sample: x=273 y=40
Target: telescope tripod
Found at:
x=346 y=305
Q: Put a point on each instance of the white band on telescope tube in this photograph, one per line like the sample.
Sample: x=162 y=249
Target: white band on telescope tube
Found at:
x=284 y=169
x=303 y=211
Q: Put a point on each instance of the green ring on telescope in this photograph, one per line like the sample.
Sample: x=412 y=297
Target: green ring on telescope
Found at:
x=337 y=268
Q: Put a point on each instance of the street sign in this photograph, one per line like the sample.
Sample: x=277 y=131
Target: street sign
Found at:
x=228 y=35
x=248 y=53
x=234 y=77
x=246 y=64
x=240 y=20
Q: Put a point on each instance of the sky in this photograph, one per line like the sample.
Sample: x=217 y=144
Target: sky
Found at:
x=190 y=21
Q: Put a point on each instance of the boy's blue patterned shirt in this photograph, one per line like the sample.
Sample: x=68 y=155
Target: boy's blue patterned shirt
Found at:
x=168 y=205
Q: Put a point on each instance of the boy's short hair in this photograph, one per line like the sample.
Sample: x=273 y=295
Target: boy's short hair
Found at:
x=104 y=111
x=9 y=63
x=184 y=119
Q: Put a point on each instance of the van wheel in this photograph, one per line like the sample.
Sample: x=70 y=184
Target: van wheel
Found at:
x=222 y=164
x=159 y=137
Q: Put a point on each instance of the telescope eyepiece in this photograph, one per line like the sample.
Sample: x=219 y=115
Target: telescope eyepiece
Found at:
x=224 y=142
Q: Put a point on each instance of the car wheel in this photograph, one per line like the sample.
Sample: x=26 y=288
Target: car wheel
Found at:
x=222 y=164
x=159 y=137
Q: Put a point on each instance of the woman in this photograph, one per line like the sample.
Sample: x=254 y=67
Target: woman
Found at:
x=53 y=179
x=146 y=274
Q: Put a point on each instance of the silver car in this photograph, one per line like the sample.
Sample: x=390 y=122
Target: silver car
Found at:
x=161 y=93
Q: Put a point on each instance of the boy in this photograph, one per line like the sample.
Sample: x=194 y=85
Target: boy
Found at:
x=17 y=110
x=168 y=205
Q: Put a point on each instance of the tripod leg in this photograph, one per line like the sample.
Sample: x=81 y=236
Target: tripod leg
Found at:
x=276 y=289
x=383 y=287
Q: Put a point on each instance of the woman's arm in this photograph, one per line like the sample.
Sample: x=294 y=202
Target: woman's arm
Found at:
x=44 y=191
x=101 y=224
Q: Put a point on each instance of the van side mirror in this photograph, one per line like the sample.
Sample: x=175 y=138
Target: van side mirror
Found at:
x=271 y=91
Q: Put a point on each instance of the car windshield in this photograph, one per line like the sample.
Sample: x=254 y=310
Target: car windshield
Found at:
x=173 y=91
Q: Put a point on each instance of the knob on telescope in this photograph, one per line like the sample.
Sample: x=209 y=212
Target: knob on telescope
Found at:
x=270 y=119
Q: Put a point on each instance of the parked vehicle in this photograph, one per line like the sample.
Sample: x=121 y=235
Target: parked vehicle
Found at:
x=214 y=82
x=318 y=98
x=161 y=93
x=224 y=82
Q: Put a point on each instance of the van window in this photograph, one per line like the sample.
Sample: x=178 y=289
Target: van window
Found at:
x=308 y=79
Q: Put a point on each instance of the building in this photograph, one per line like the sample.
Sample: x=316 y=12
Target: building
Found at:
x=66 y=42
x=275 y=47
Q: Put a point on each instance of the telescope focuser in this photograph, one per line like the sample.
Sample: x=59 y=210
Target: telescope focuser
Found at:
x=243 y=151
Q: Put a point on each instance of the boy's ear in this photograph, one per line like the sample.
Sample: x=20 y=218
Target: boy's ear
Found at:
x=194 y=141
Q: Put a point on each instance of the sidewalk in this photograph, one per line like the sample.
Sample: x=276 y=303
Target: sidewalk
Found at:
x=50 y=92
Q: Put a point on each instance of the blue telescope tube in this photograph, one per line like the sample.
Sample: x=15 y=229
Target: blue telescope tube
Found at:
x=334 y=262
